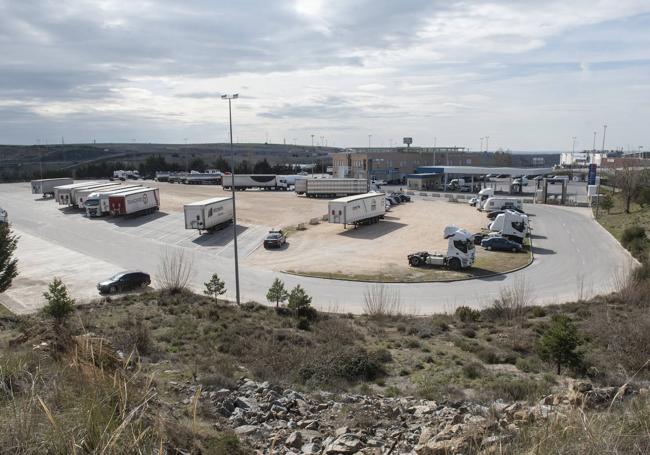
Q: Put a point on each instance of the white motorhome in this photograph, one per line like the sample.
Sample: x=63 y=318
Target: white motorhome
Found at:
x=511 y=225
x=96 y=203
x=209 y=214
x=460 y=254
x=357 y=210
x=46 y=186
x=62 y=193
x=501 y=203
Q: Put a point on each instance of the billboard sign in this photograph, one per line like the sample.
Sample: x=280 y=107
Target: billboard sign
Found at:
x=591 y=177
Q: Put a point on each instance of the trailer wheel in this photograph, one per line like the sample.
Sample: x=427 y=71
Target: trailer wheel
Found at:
x=454 y=264
x=414 y=261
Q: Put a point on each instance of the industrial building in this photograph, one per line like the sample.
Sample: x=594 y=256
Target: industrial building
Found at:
x=438 y=177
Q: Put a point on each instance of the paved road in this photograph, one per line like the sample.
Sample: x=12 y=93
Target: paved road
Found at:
x=572 y=252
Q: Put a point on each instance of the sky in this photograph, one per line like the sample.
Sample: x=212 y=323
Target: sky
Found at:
x=531 y=75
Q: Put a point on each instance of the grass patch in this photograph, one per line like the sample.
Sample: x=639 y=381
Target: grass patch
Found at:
x=617 y=221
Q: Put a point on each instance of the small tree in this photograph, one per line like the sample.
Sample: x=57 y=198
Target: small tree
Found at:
x=559 y=343
x=299 y=304
x=59 y=303
x=627 y=179
x=8 y=264
x=215 y=287
x=277 y=293
x=607 y=203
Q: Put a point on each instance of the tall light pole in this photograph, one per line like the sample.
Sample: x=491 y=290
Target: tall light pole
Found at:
x=573 y=149
x=368 y=161
x=312 y=141
x=481 y=144
x=604 y=132
x=232 y=188
x=487 y=138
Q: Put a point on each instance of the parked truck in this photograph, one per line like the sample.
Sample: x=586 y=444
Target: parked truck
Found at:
x=139 y=201
x=511 y=225
x=62 y=194
x=330 y=187
x=46 y=186
x=209 y=214
x=460 y=251
x=196 y=178
x=482 y=195
x=80 y=195
x=492 y=204
x=248 y=181
x=96 y=203
x=360 y=209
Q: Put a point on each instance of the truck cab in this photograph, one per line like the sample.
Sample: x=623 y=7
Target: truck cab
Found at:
x=460 y=254
x=511 y=225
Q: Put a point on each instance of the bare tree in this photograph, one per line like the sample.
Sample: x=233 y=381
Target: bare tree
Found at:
x=628 y=180
x=175 y=270
x=380 y=301
x=513 y=302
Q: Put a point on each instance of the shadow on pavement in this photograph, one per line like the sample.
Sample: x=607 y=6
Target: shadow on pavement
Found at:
x=372 y=231
x=135 y=220
x=536 y=236
x=218 y=238
x=538 y=250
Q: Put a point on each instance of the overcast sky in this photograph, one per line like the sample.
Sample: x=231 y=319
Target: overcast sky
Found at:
x=528 y=74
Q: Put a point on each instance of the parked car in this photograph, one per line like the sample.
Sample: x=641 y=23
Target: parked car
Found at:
x=401 y=197
x=393 y=200
x=500 y=244
x=275 y=239
x=124 y=281
x=473 y=201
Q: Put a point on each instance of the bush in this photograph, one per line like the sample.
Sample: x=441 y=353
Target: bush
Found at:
x=473 y=370
x=559 y=343
x=134 y=335
x=299 y=304
x=527 y=365
x=467 y=314
x=538 y=312
x=469 y=332
x=59 y=303
x=634 y=240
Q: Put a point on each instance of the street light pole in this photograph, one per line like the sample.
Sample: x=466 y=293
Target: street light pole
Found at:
x=481 y=144
x=604 y=132
x=487 y=139
x=232 y=188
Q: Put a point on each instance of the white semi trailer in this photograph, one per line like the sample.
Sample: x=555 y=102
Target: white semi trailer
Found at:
x=330 y=187
x=511 y=224
x=139 y=201
x=96 y=203
x=81 y=194
x=62 y=194
x=460 y=251
x=209 y=214
x=46 y=186
x=360 y=209
x=501 y=203
x=248 y=181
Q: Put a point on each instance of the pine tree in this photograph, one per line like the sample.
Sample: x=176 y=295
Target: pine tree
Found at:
x=59 y=303
x=559 y=343
x=215 y=287
x=8 y=264
x=607 y=203
x=299 y=304
x=277 y=293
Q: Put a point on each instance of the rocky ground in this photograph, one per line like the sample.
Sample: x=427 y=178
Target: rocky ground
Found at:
x=283 y=421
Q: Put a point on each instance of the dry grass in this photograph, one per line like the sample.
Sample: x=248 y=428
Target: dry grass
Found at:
x=380 y=301
x=175 y=270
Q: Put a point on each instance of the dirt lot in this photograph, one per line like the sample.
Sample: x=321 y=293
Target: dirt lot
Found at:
x=268 y=208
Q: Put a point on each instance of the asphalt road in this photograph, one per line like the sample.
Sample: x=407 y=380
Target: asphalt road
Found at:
x=574 y=257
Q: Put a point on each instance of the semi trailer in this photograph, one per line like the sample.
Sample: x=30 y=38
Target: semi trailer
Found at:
x=139 y=201
x=360 y=209
x=248 y=181
x=81 y=194
x=460 y=251
x=330 y=187
x=46 y=186
x=96 y=203
x=209 y=214
x=62 y=193
x=202 y=179
x=492 y=204
x=511 y=225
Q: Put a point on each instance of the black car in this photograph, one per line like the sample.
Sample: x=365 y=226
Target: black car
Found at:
x=500 y=244
x=402 y=197
x=275 y=239
x=124 y=281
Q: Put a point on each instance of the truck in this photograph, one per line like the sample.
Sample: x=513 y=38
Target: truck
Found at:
x=96 y=203
x=357 y=210
x=80 y=195
x=139 y=201
x=196 y=178
x=46 y=186
x=511 y=225
x=209 y=214
x=3 y=216
x=330 y=187
x=460 y=251
x=481 y=197
x=501 y=203
x=62 y=193
x=248 y=181
x=126 y=175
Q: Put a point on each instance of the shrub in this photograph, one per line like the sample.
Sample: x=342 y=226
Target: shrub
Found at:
x=277 y=293
x=527 y=365
x=8 y=264
x=175 y=271
x=215 y=287
x=538 y=312
x=469 y=332
x=559 y=343
x=467 y=314
x=381 y=301
x=59 y=303
x=134 y=335
x=473 y=370
x=299 y=304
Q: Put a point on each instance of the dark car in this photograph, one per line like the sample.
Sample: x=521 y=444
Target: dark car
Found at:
x=275 y=239
x=124 y=281
x=500 y=244
x=401 y=197
x=492 y=215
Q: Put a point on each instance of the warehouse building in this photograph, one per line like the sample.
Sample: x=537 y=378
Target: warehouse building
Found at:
x=437 y=178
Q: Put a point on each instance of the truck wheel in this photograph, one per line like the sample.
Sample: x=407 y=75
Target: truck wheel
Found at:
x=454 y=264
x=414 y=261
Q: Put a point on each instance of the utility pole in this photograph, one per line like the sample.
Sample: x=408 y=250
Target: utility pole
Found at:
x=232 y=187
x=312 y=141
x=368 y=161
x=487 y=138
x=481 y=144
x=573 y=149
x=604 y=132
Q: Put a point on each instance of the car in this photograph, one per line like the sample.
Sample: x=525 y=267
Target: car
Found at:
x=500 y=244
x=275 y=239
x=492 y=215
x=124 y=281
x=401 y=197
x=473 y=201
x=393 y=200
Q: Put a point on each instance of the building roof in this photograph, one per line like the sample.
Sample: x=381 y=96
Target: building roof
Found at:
x=213 y=200
x=475 y=170
x=357 y=197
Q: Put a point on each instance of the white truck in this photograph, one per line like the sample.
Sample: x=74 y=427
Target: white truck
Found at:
x=492 y=204
x=209 y=214
x=81 y=194
x=46 y=186
x=139 y=201
x=96 y=203
x=482 y=195
x=330 y=187
x=62 y=193
x=511 y=225
x=460 y=251
x=360 y=209
x=247 y=181
x=125 y=175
